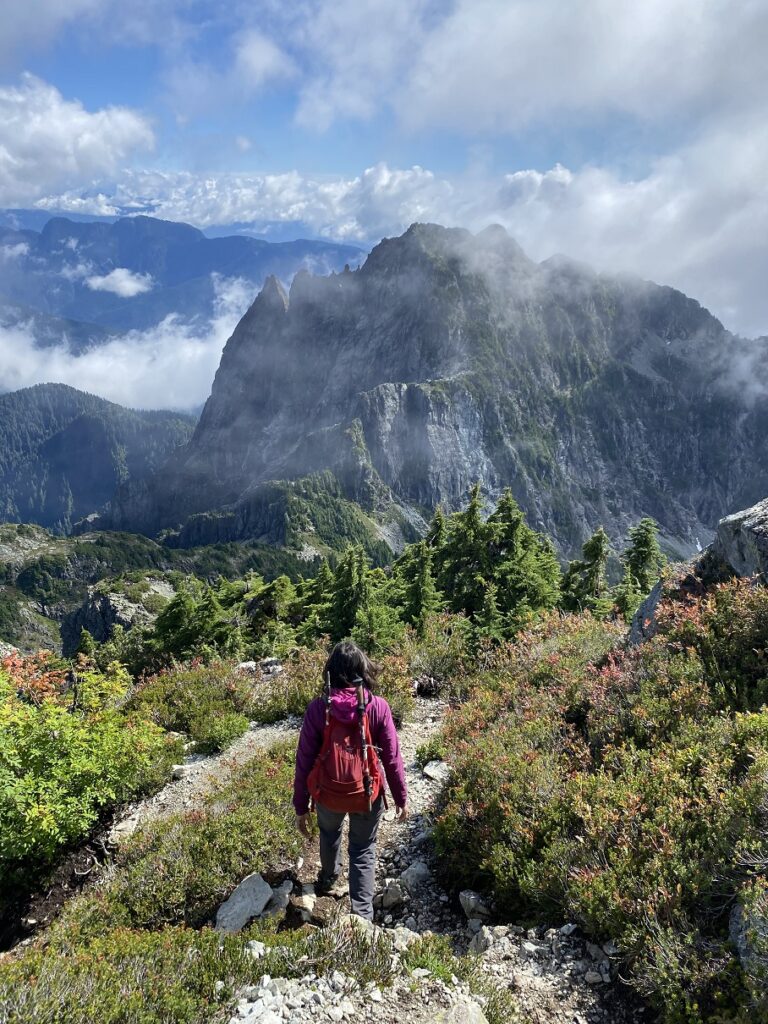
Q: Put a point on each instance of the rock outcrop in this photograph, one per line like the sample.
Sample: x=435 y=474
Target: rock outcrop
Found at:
x=103 y=610
x=450 y=358
x=741 y=541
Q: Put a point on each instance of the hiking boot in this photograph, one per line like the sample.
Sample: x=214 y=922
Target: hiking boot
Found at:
x=330 y=885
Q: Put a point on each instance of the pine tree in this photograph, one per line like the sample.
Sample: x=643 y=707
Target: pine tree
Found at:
x=350 y=591
x=489 y=622
x=643 y=557
x=466 y=557
x=420 y=598
x=585 y=584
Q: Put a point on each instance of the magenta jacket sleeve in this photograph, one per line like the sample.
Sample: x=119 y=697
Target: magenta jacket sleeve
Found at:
x=384 y=735
x=310 y=742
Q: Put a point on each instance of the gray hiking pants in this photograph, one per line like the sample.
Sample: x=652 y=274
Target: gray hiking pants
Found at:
x=362 y=852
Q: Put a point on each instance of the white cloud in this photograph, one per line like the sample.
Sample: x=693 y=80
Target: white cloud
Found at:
x=259 y=60
x=14 y=251
x=47 y=142
x=170 y=366
x=122 y=282
x=478 y=66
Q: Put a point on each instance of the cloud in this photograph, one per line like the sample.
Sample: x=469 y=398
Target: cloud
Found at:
x=170 y=366
x=259 y=60
x=47 y=142
x=14 y=251
x=254 y=61
x=122 y=282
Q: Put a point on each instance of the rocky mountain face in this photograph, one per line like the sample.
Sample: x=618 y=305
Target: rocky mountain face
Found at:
x=61 y=272
x=63 y=452
x=450 y=358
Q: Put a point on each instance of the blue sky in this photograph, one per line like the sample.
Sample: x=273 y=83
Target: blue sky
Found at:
x=631 y=135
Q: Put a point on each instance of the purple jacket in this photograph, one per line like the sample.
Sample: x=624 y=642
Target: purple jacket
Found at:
x=383 y=734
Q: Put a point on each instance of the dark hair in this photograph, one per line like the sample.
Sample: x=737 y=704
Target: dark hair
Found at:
x=347 y=665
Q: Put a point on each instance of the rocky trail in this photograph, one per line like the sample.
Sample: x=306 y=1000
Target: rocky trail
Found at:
x=554 y=974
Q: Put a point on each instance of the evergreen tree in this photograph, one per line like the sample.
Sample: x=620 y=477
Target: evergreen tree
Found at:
x=643 y=557
x=420 y=598
x=437 y=530
x=489 y=622
x=466 y=557
x=349 y=592
x=586 y=584
x=525 y=568
x=86 y=645
x=627 y=594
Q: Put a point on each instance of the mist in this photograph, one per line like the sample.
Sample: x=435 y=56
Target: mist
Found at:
x=169 y=366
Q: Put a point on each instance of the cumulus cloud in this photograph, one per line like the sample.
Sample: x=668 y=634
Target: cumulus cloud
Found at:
x=120 y=281
x=49 y=142
x=170 y=366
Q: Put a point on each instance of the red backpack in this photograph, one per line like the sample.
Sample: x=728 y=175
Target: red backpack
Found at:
x=346 y=775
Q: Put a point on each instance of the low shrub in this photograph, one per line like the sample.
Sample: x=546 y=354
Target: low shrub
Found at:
x=68 y=752
x=179 y=869
x=211 y=703
x=617 y=786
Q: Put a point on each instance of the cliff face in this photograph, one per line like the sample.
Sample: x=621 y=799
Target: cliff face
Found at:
x=449 y=358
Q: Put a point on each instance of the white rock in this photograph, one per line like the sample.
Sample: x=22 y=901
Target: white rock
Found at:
x=247 y=666
x=256 y=949
x=473 y=904
x=392 y=896
x=246 y=902
x=438 y=771
x=482 y=941
x=415 y=875
x=181 y=771
x=593 y=978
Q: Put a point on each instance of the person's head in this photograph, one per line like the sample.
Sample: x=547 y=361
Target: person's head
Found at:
x=347 y=665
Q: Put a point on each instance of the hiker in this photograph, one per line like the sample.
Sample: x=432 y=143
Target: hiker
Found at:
x=347 y=737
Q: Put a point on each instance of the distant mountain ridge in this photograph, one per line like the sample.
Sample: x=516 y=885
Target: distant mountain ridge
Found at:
x=63 y=452
x=62 y=270
x=450 y=358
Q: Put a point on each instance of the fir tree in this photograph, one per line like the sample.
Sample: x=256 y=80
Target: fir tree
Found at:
x=525 y=567
x=489 y=622
x=627 y=594
x=585 y=584
x=421 y=598
x=349 y=592
x=643 y=557
x=466 y=557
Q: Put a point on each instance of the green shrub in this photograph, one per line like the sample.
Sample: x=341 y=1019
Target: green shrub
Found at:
x=617 y=786
x=126 y=977
x=435 y=749
x=211 y=703
x=443 y=651
x=179 y=869
x=65 y=757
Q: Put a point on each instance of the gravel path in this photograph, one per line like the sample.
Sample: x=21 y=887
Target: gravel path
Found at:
x=200 y=775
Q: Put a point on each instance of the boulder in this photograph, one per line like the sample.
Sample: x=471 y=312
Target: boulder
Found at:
x=643 y=624
x=392 y=896
x=416 y=874
x=464 y=1011
x=473 y=904
x=6 y=650
x=247 y=901
x=741 y=541
x=438 y=771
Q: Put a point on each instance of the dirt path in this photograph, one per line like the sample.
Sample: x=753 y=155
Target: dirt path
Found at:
x=200 y=775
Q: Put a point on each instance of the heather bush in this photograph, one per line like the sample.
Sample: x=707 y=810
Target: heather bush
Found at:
x=211 y=703
x=625 y=788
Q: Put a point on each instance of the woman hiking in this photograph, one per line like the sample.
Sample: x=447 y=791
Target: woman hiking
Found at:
x=347 y=738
